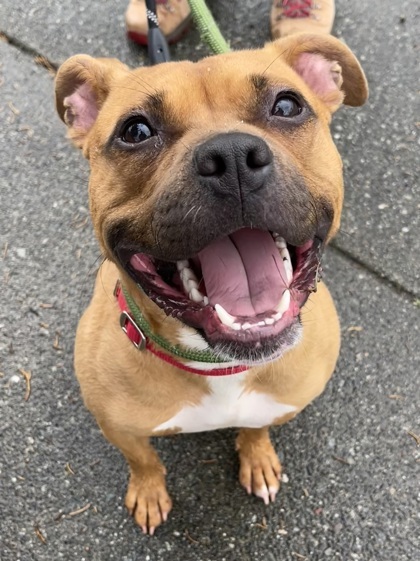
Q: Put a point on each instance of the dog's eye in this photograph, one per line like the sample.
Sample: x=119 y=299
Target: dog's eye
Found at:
x=136 y=131
x=287 y=105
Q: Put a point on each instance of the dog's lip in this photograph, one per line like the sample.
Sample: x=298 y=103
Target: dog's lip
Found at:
x=217 y=325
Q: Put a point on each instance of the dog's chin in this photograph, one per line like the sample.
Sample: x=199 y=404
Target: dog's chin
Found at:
x=242 y=293
x=266 y=350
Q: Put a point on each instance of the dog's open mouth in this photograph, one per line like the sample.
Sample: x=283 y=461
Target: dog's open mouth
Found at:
x=244 y=290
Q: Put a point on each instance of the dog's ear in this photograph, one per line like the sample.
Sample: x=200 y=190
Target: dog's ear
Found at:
x=327 y=66
x=81 y=87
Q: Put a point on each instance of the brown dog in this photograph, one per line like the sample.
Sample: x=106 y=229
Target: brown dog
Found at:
x=214 y=188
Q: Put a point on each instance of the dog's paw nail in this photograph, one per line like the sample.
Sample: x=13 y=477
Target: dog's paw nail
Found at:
x=152 y=530
x=248 y=489
x=164 y=516
x=263 y=494
x=273 y=493
x=144 y=529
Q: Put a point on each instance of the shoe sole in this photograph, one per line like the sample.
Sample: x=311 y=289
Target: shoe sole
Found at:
x=172 y=38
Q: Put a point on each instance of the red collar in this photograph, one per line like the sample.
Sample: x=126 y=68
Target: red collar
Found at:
x=141 y=342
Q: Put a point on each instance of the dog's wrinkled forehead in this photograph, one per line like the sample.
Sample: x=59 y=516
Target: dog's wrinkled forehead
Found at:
x=181 y=94
x=184 y=95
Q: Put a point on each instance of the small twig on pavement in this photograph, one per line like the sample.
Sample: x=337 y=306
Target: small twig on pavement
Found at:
x=79 y=510
x=263 y=524
x=13 y=109
x=69 y=469
x=415 y=436
x=341 y=460
x=39 y=534
x=27 y=376
x=56 y=344
x=189 y=538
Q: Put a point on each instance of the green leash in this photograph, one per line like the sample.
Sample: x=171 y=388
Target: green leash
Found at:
x=177 y=350
x=209 y=31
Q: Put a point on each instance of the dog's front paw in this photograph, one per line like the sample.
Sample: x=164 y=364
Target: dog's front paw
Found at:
x=148 y=501
x=260 y=468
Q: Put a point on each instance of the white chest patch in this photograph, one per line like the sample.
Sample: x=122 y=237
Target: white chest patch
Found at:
x=228 y=405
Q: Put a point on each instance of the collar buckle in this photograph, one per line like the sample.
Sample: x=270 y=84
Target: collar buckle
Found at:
x=133 y=331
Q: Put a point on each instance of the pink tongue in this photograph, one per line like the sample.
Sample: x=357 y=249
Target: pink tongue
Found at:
x=244 y=272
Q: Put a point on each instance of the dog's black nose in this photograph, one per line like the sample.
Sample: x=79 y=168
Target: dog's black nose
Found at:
x=233 y=163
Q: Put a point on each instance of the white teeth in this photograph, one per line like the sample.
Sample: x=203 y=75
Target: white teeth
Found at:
x=181 y=265
x=283 y=305
x=192 y=284
x=196 y=295
x=285 y=255
x=287 y=262
x=224 y=316
x=281 y=243
x=205 y=300
x=289 y=270
x=227 y=319
x=188 y=274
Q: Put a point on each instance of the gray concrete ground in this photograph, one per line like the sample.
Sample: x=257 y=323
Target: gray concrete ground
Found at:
x=351 y=458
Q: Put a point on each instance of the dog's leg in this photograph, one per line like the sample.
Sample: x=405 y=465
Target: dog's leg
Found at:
x=147 y=499
x=260 y=468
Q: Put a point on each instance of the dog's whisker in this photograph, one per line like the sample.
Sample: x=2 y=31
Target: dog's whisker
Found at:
x=196 y=213
x=273 y=61
x=121 y=87
x=186 y=146
x=109 y=296
x=91 y=271
x=190 y=210
x=155 y=234
x=345 y=233
x=141 y=81
x=95 y=265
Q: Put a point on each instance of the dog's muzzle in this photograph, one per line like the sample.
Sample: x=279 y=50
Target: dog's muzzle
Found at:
x=240 y=272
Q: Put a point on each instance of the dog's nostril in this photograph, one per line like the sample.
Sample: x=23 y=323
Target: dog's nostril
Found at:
x=212 y=165
x=258 y=157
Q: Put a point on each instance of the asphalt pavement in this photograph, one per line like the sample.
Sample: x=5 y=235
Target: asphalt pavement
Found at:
x=351 y=459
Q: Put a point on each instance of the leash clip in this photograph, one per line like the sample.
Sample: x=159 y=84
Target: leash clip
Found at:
x=137 y=336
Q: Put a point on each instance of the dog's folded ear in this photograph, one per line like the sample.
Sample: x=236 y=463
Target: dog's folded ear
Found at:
x=327 y=66
x=81 y=87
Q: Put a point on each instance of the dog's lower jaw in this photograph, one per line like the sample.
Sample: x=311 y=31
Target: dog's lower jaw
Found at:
x=264 y=351
x=235 y=354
